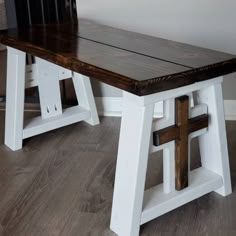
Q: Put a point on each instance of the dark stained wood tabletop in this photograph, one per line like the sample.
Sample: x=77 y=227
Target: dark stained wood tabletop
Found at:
x=134 y=62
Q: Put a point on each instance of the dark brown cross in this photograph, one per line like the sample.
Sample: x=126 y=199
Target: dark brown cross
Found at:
x=180 y=132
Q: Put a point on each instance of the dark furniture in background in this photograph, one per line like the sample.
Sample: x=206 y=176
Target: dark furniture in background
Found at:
x=24 y=13
x=30 y=12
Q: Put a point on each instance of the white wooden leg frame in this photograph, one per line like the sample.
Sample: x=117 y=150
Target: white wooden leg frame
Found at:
x=46 y=76
x=132 y=206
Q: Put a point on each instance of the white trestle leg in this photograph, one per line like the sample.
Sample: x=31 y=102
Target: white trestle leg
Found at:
x=169 y=168
x=15 y=98
x=131 y=166
x=213 y=145
x=49 y=89
x=46 y=76
x=85 y=96
x=132 y=206
x=168 y=149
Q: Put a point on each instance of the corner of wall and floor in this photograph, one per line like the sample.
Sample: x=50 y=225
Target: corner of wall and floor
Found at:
x=112 y=106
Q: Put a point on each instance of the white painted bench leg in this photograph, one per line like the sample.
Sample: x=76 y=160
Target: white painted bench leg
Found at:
x=49 y=89
x=169 y=168
x=168 y=149
x=85 y=96
x=15 y=98
x=131 y=167
x=213 y=144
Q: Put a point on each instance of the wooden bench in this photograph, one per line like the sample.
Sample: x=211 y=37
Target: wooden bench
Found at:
x=148 y=70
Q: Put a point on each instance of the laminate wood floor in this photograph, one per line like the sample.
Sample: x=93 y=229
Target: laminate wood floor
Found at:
x=61 y=184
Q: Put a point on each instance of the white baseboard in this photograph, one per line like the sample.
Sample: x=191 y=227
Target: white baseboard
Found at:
x=2 y=47
x=112 y=106
x=230 y=109
x=109 y=106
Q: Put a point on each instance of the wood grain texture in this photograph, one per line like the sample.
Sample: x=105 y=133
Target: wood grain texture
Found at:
x=180 y=133
x=198 y=123
x=181 y=144
x=166 y=135
x=61 y=184
x=175 y=52
x=146 y=66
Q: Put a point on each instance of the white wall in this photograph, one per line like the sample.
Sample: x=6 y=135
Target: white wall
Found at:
x=206 y=23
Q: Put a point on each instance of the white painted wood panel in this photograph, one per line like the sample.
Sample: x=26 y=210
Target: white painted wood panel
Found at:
x=69 y=116
x=157 y=203
x=15 y=98
x=131 y=167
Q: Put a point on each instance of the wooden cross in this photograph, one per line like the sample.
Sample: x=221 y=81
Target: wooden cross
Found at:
x=180 y=132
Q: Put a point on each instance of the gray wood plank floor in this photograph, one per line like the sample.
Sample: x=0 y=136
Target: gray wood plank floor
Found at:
x=61 y=184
